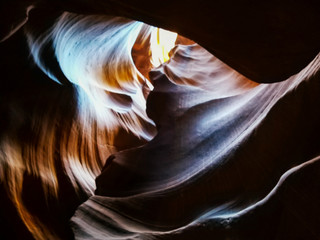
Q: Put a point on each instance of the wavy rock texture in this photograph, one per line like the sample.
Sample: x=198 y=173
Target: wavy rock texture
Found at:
x=232 y=158
x=67 y=103
x=228 y=154
x=267 y=41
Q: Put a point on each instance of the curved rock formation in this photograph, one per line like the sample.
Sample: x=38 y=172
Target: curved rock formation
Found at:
x=200 y=149
x=224 y=152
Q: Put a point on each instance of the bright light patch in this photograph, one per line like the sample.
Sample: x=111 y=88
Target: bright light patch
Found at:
x=161 y=43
